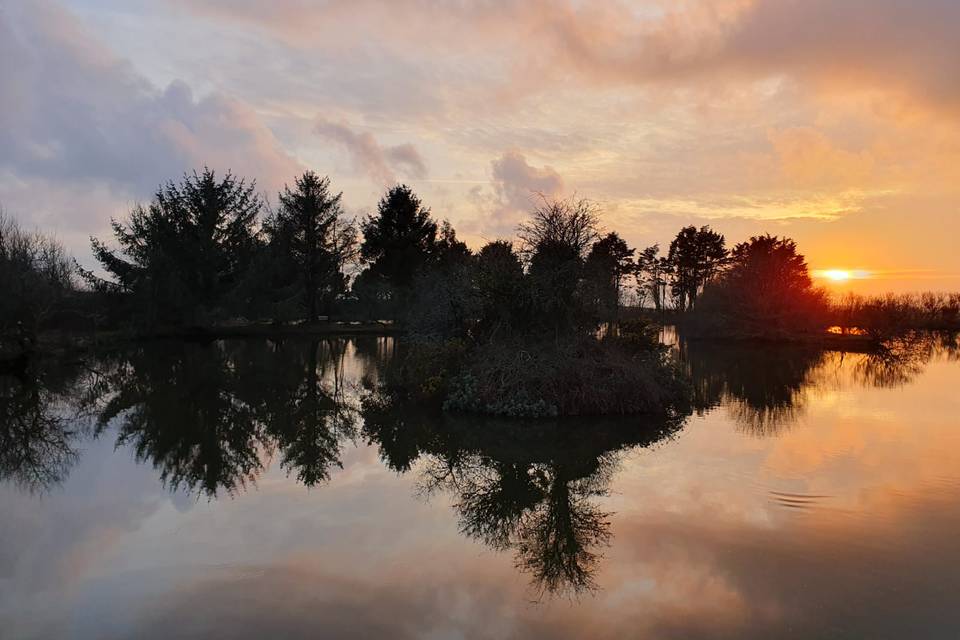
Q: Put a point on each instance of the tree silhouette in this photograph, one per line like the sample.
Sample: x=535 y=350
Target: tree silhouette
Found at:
x=180 y=255
x=610 y=261
x=695 y=256
x=441 y=302
x=652 y=275
x=35 y=277
x=572 y=224
x=399 y=240
x=555 y=241
x=309 y=232
x=500 y=289
x=767 y=289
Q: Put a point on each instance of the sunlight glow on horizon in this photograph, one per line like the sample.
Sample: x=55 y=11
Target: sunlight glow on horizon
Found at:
x=841 y=275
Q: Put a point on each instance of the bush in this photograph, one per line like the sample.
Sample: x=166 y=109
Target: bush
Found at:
x=422 y=368
x=585 y=377
x=35 y=277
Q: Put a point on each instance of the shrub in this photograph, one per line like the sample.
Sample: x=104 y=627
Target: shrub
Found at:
x=584 y=377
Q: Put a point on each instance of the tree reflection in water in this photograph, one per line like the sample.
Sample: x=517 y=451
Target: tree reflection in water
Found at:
x=765 y=388
x=39 y=425
x=211 y=417
x=525 y=487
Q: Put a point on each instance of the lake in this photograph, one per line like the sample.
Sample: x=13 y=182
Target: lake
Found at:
x=250 y=489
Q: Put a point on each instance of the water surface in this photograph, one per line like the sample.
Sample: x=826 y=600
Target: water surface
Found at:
x=255 y=489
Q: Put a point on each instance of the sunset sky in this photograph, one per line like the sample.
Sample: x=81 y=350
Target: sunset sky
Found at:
x=834 y=122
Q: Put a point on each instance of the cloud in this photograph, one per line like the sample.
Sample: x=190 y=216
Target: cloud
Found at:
x=75 y=117
x=381 y=163
x=809 y=158
x=884 y=45
x=516 y=186
x=515 y=180
x=748 y=109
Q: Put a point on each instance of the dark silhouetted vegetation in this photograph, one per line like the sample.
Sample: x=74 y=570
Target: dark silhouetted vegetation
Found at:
x=398 y=241
x=536 y=328
x=36 y=283
x=179 y=257
x=309 y=245
x=528 y=488
x=696 y=256
x=890 y=315
x=525 y=342
x=765 y=290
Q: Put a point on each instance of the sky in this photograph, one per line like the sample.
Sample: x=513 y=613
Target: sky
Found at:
x=835 y=123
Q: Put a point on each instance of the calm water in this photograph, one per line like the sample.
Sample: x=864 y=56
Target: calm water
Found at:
x=251 y=490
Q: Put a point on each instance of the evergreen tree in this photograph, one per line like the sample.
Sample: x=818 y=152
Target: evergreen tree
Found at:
x=399 y=239
x=180 y=255
x=610 y=260
x=314 y=241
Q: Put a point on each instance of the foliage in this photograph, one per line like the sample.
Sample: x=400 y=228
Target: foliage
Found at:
x=584 y=377
x=652 y=272
x=572 y=223
x=500 y=290
x=695 y=256
x=609 y=262
x=767 y=291
x=399 y=240
x=891 y=314
x=422 y=368
x=35 y=277
x=310 y=243
x=180 y=255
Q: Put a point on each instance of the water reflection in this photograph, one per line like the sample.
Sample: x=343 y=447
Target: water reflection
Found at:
x=209 y=418
x=39 y=425
x=212 y=418
x=766 y=388
x=524 y=487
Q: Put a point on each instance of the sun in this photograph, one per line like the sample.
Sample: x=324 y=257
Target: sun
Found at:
x=840 y=276
x=837 y=275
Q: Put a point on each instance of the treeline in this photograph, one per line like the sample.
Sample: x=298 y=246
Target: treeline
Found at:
x=209 y=249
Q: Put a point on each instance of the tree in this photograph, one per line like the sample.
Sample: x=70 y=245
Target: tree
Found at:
x=651 y=274
x=695 y=256
x=449 y=251
x=399 y=239
x=318 y=243
x=499 y=284
x=184 y=251
x=572 y=223
x=555 y=241
x=35 y=275
x=767 y=286
x=441 y=301
x=610 y=260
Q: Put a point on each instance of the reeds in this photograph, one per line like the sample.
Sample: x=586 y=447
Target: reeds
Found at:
x=892 y=313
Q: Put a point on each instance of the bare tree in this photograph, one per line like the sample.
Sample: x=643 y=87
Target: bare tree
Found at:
x=573 y=223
